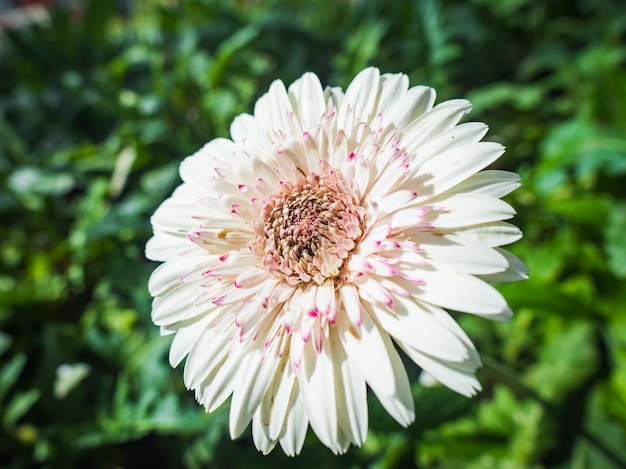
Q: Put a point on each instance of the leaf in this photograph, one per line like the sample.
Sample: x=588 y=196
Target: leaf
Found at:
x=5 y=342
x=498 y=94
x=566 y=362
x=19 y=405
x=611 y=453
x=586 y=209
x=10 y=373
x=615 y=240
x=228 y=49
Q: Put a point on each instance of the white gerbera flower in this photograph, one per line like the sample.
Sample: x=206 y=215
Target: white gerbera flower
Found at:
x=329 y=227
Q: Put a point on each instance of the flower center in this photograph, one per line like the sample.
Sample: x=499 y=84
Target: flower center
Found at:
x=309 y=229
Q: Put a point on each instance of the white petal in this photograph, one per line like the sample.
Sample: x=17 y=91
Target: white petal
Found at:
x=421 y=330
x=491 y=234
x=292 y=437
x=178 y=305
x=458 y=136
x=451 y=167
x=380 y=365
x=362 y=173
x=250 y=278
x=444 y=318
x=351 y=394
x=255 y=177
x=417 y=101
x=175 y=273
x=233 y=264
x=207 y=353
x=390 y=178
x=515 y=271
x=198 y=169
x=333 y=95
x=360 y=98
x=232 y=295
x=460 y=292
x=394 y=201
x=244 y=131
x=184 y=340
x=462 y=255
x=307 y=99
x=351 y=304
x=468 y=209
x=273 y=110
x=439 y=119
x=219 y=384
x=318 y=389
x=373 y=292
x=460 y=378
x=393 y=90
x=311 y=149
x=177 y=215
x=260 y=435
x=326 y=301
x=165 y=246
x=281 y=401
x=493 y=182
x=412 y=217
x=342 y=444
x=383 y=268
x=256 y=373
x=339 y=152
x=307 y=304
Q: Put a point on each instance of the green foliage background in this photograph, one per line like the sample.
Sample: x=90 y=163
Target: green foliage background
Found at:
x=99 y=105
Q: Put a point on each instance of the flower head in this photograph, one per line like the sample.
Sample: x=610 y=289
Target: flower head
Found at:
x=330 y=226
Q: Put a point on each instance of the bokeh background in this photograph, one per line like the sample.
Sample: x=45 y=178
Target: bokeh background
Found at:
x=99 y=102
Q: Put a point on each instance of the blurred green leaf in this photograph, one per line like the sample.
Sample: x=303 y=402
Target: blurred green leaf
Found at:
x=555 y=376
x=616 y=241
x=496 y=95
x=10 y=373
x=5 y=342
x=19 y=405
